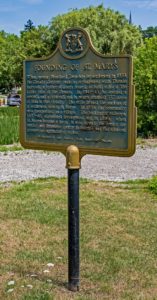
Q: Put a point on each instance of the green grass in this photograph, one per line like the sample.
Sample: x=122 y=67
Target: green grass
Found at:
x=153 y=185
x=13 y=147
x=9 y=125
x=118 y=239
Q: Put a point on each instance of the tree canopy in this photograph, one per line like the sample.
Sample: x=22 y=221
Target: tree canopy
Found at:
x=36 y=42
x=110 y=31
x=149 y=32
x=11 y=60
x=146 y=87
x=14 y=49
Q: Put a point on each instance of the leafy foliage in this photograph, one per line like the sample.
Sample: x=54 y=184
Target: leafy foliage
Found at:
x=110 y=31
x=11 y=60
x=146 y=87
x=14 y=49
x=36 y=42
x=150 y=32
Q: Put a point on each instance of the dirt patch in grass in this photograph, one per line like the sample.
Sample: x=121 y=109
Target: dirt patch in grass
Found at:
x=151 y=142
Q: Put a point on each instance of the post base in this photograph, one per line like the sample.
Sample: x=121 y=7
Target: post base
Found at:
x=73 y=287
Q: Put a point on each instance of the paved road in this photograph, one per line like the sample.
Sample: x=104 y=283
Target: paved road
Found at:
x=25 y=165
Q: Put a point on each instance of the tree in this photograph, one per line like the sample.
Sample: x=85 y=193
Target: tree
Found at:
x=149 y=32
x=36 y=42
x=14 y=49
x=10 y=51
x=29 y=26
x=146 y=87
x=110 y=31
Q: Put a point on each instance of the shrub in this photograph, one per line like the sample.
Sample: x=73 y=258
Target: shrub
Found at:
x=145 y=76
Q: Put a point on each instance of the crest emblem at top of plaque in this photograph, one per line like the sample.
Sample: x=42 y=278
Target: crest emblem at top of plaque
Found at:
x=74 y=43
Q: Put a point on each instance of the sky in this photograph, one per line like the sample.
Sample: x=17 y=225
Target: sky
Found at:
x=15 y=13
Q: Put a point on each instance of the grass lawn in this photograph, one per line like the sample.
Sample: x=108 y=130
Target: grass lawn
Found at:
x=118 y=241
x=13 y=147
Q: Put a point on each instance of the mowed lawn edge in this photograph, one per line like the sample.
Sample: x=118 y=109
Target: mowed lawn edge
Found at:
x=118 y=240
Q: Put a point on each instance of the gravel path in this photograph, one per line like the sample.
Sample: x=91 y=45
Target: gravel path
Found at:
x=29 y=164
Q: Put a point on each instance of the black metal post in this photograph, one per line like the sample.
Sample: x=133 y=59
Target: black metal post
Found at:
x=73 y=230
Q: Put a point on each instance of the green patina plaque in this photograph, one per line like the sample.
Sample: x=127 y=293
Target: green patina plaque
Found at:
x=80 y=97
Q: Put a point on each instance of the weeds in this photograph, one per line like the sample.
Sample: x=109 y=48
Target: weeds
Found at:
x=152 y=185
x=9 y=125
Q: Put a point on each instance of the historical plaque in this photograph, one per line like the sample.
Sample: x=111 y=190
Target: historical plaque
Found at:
x=80 y=97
